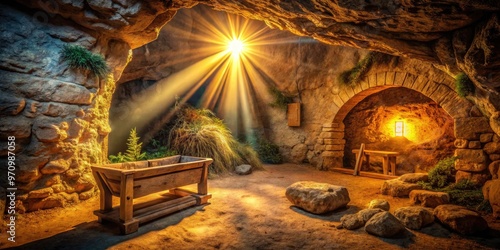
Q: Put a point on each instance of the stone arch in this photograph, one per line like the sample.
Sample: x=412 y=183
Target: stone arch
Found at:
x=468 y=127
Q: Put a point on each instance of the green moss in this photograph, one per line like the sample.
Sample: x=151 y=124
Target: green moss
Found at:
x=463 y=85
x=443 y=173
x=358 y=72
x=268 y=152
x=280 y=100
x=80 y=58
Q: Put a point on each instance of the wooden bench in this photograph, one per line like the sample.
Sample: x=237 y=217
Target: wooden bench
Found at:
x=132 y=180
x=389 y=159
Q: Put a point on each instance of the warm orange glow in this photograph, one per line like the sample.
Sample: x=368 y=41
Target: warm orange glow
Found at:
x=399 y=128
x=235 y=47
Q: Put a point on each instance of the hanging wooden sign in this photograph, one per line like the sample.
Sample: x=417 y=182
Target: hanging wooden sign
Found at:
x=293 y=114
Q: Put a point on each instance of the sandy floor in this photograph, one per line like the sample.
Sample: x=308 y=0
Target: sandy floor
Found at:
x=246 y=212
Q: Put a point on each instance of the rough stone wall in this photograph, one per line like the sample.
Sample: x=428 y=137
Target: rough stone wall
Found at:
x=58 y=115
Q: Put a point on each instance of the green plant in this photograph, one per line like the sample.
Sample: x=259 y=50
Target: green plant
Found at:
x=134 y=147
x=268 y=152
x=358 y=72
x=117 y=158
x=80 y=58
x=133 y=153
x=280 y=100
x=198 y=132
x=463 y=85
x=443 y=173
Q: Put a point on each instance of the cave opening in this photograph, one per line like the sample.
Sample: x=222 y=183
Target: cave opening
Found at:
x=427 y=130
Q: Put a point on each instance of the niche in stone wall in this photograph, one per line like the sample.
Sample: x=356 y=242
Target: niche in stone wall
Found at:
x=428 y=132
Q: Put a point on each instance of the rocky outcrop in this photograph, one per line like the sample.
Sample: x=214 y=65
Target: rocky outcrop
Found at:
x=460 y=219
x=414 y=217
x=317 y=198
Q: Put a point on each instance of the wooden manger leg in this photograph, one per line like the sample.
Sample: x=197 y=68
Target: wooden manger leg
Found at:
x=392 y=163
x=128 y=223
x=385 y=165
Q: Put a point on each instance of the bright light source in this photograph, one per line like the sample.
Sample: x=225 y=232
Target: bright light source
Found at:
x=235 y=46
x=399 y=128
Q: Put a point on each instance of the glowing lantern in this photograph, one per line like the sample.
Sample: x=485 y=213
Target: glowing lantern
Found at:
x=399 y=128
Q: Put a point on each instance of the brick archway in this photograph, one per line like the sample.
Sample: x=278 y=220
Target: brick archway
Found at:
x=330 y=144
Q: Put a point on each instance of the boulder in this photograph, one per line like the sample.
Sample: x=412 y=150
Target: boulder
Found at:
x=491 y=193
x=384 y=224
x=398 y=188
x=317 y=198
x=379 y=203
x=243 y=169
x=471 y=160
x=414 y=217
x=460 y=219
x=429 y=198
x=299 y=153
x=351 y=221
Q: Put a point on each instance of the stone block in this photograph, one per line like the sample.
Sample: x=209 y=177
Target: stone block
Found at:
x=398 y=188
x=491 y=193
x=319 y=147
x=379 y=203
x=317 y=198
x=55 y=167
x=470 y=128
x=414 y=217
x=495 y=157
x=334 y=141
x=40 y=193
x=461 y=143
x=320 y=141
x=460 y=219
x=334 y=147
x=485 y=138
x=492 y=148
x=428 y=198
x=331 y=135
x=475 y=177
x=335 y=154
x=474 y=144
x=471 y=160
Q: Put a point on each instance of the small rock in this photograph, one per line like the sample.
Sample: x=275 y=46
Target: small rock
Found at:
x=379 y=203
x=317 y=197
x=414 y=177
x=398 y=188
x=384 y=224
x=414 y=217
x=243 y=169
x=429 y=198
x=367 y=214
x=460 y=219
x=494 y=169
x=351 y=221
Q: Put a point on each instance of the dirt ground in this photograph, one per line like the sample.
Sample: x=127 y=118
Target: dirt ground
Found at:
x=246 y=212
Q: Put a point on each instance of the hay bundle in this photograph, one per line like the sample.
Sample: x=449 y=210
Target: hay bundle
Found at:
x=198 y=132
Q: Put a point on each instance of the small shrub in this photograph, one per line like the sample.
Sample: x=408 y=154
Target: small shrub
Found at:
x=443 y=173
x=80 y=58
x=358 y=72
x=268 y=152
x=280 y=100
x=463 y=85
x=467 y=198
x=117 y=158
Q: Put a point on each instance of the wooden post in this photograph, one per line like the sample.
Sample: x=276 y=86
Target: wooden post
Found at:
x=105 y=197
x=126 y=197
x=359 y=160
x=385 y=164
x=392 y=163
x=203 y=184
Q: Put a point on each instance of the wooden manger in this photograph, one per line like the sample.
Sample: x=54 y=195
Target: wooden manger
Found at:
x=146 y=179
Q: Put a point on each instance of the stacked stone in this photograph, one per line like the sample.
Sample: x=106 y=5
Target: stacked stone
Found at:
x=477 y=146
x=331 y=144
